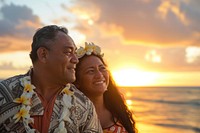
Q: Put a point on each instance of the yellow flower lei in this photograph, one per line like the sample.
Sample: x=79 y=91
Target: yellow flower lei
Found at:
x=88 y=50
x=25 y=101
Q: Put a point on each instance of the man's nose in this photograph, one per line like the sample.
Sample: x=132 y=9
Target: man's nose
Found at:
x=75 y=59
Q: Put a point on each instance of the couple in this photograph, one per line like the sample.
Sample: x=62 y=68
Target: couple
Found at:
x=44 y=100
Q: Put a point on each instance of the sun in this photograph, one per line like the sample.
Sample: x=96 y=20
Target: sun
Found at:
x=134 y=77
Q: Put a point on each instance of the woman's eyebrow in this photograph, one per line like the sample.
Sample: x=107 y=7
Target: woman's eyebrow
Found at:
x=91 y=67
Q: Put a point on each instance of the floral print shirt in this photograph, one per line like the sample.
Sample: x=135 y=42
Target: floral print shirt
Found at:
x=83 y=118
x=116 y=128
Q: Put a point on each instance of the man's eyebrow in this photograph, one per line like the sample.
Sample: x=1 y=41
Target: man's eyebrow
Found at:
x=70 y=47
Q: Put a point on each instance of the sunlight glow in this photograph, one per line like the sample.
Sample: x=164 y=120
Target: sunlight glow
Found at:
x=192 y=54
x=19 y=59
x=133 y=77
x=90 y=22
x=129 y=104
x=153 y=56
x=78 y=38
x=13 y=63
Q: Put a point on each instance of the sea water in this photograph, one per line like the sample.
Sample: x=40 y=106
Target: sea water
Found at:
x=164 y=109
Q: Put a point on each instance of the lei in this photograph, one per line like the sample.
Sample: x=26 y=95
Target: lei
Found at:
x=88 y=50
x=25 y=101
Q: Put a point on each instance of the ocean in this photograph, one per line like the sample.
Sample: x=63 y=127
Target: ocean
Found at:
x=164 y=109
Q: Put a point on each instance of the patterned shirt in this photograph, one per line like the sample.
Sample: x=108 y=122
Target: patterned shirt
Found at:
x=116 y=128
x=82 y=112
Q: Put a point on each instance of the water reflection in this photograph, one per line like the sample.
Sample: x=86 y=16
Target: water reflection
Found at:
x=164 y=110
x=148 y=128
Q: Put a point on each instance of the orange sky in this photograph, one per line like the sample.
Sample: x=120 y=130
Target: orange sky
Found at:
x=145 y=42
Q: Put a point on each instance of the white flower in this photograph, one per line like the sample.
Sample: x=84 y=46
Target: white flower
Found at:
x=25 y=80
x=66 y=105
x=22 y=114
x=88 y=50
x=25 y=101
x=61 y=128
x=80 y=52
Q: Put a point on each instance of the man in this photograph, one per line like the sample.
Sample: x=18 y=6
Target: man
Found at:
x=43 y=100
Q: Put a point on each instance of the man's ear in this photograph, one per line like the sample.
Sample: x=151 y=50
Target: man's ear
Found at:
x=42 y=54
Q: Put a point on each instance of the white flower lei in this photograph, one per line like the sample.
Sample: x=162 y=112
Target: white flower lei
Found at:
x=25 y=101
x=88 y=50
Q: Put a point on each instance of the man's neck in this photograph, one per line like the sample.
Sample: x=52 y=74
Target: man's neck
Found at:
x=48 y=92
x=44 y=86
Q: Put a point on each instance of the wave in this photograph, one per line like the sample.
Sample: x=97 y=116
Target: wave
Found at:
x=186 y=127
x=191 y=103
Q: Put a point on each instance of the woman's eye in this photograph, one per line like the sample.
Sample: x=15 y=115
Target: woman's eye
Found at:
x=90 y=71
x=103 y=68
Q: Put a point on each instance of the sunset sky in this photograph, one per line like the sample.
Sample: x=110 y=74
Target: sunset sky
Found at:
x=145 y=42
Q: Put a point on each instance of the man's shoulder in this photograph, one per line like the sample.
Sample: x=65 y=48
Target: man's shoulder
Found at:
x=11 y=79
x=80 y=96
x=10 y=88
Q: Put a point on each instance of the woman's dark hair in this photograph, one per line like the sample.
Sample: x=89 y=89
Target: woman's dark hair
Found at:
x=43 y=37
x=114 y=101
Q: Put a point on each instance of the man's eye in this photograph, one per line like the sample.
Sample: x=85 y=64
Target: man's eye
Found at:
x=68 y=52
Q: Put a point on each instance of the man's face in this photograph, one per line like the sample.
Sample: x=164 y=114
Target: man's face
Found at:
x=62 y=60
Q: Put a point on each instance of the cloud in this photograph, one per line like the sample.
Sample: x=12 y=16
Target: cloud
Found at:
x=17 y=21
x=10 y=66
x=146 y=34
x=151 y=22
x=17 y=26
x=8 y=44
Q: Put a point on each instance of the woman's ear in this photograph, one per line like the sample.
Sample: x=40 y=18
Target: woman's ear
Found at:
x=42 y=54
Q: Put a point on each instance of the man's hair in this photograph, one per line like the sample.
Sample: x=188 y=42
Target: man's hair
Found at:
x=43 y=38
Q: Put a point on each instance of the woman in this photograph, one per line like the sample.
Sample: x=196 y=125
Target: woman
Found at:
x=94 y=80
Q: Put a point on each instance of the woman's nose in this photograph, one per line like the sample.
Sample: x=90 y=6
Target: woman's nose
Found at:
x=98 y=74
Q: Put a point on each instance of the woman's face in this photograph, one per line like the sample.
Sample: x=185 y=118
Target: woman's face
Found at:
x=93 y=77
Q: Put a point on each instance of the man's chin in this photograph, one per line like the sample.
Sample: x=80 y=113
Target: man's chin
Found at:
x=72 y=79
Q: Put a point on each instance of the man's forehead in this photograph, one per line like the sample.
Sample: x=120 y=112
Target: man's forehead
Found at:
x=67 y=46
x=70 y=43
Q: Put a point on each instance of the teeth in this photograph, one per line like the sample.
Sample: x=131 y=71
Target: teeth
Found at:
x=99 y=82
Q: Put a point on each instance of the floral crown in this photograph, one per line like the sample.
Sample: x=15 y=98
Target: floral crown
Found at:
x=90 y=48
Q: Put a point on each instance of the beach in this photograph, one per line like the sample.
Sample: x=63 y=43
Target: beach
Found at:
x=164 y=109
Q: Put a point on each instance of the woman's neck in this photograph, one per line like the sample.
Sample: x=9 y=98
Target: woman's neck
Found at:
x=98 y=103
x=104 y=115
